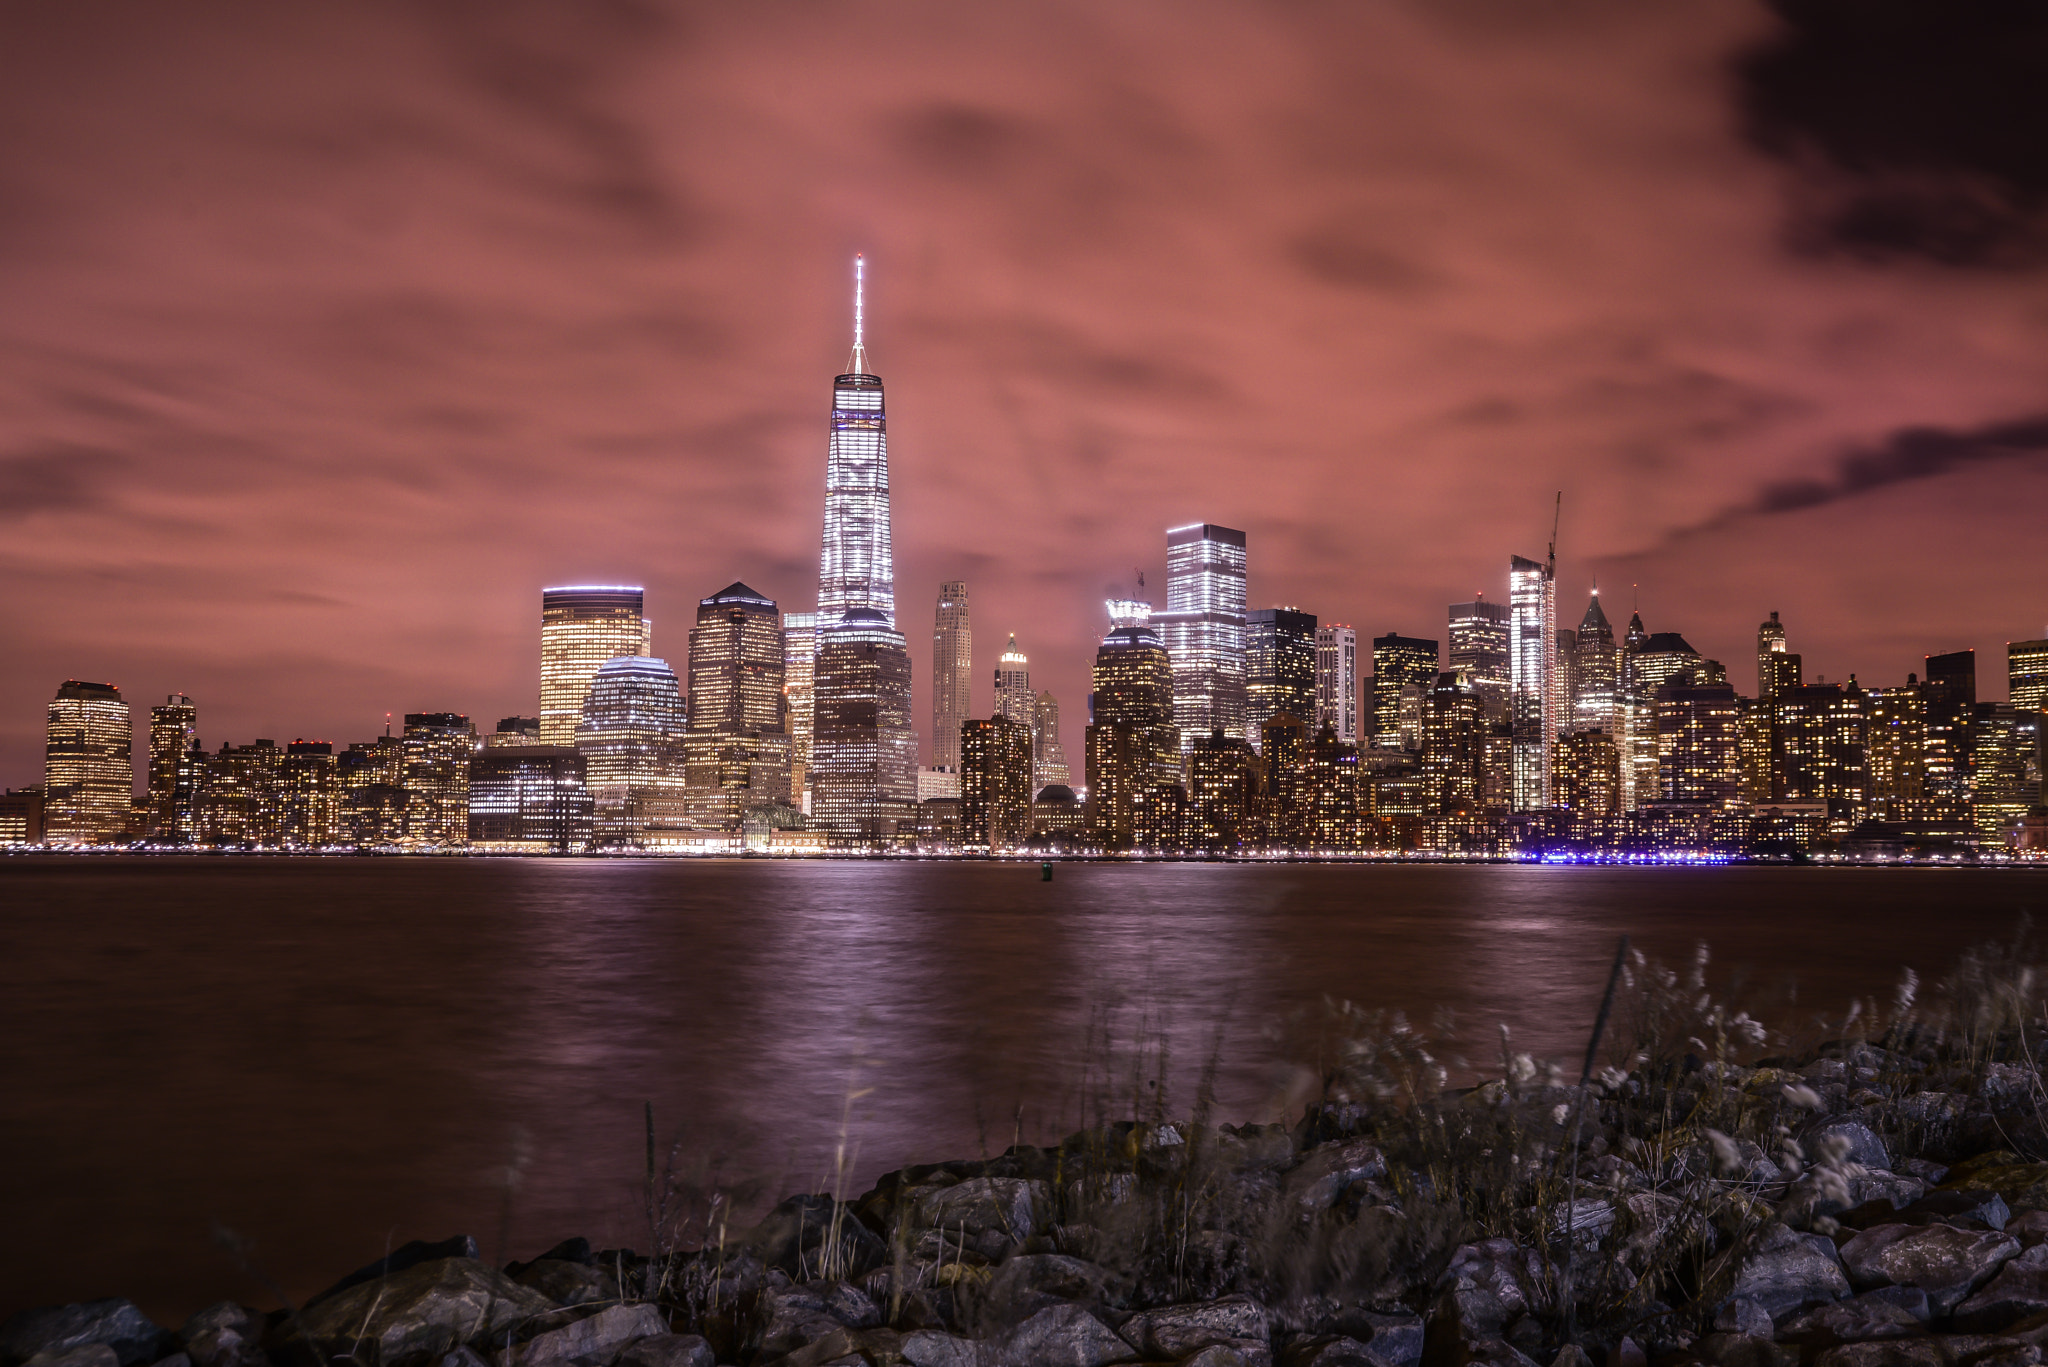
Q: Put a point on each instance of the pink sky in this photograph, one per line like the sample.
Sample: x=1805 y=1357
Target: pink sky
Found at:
x=331 y=334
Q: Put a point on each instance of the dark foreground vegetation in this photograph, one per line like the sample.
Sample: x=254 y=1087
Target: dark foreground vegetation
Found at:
x=1712 y=1193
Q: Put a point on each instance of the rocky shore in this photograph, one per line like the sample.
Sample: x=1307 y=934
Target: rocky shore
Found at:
x=1874 y=1201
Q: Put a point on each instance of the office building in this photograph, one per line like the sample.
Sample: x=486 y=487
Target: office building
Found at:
x=371 y=778
x=307 y=791
x=173 y=730
x=2026 y=667
x=632 y=738
x=515 y=732
x=1595 y=672
x=1048 y=753
x=1331 y=812
x=1534 y=703
x=2005 y=769
x=1949 y=690
x=736 y=755
x=1058 y=819
x=1223 y=790
x=436 y=752
x=88 y=765
x=21 y=816
x=799 y=673
x=1479 y=651
x=1777 y=668
x=1132 y=741
x=936 y=782
x=1895 y=752
x=952 y=673
x=863 y=748
x=1821 y=740
x=1203 y=628
x=530 y=799
x=1337 y=681
x=1588 y=782
x=1699 y=746
x=995 y=784
x=581 y=627
x=1453 y=756
x=1404 y=669
x=1279 y=666
x=1014 y=698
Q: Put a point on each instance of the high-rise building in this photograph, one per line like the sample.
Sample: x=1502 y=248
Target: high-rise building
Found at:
x=173 y=726
x=1048 y=756
x=529 y=798
x=1453 y=759
x=1014 y=698
x=437 y=749
x=1895 y=752
x=1596 y=672
x=1777 y=668
x=632 y=738
x=952 y=673
x=737 y=751
x=1479 y=650
x=1132 y=741
x=2026 y=669
x=1949 y=689
x=371 y=777
x=308 y=796
x=1332 y=810
x=995 y=783
x=864 y=751
x=1223 y=786
x=1401 y=665
x=1588 y=781
x=1279 y=665
x=1662 y=658
x=580 y=628
x=514 y=732
x=1821 y=745
x=1203 y=628
x=88 y=765
x=1532 y=643
x=1337 y=681
x=1699 y=746
x=2005 y=769
x=799 y=675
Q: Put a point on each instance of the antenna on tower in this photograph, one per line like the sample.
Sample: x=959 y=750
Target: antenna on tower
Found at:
x=859 y=364
x=1555 y=518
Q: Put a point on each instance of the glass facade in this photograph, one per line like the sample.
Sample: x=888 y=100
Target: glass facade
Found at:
x=2026 y=670
x=173 y=729
x=1203 y=628
x=995 y=784
x=1404 y=669
x=864 y=760
x=632 y=737
x=1048 y=754
x=1534 y=708
x=88 y=765
x=1337 y=681
x=952 y=673
x=1279 y=667
x=799 y=673
x=738 y=749
x=1479 y=651
x=857 y=566
x=436 y=752
x=530 y=798
x=581 y=628
x=1596 y=672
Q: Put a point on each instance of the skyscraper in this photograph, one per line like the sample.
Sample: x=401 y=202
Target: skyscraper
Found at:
x=995 y=783
x=632 y=739
x=1014 y=698
x=437 y=749
x=1400 y=664
x=799 y=674
x=1132 y=742
x=1777 y=668
x=864 y=752
x=737 y=752
x=173 y=724
x=529 y=798
x=1532 y=641
x=88 y=765
x=1279 y=665
x=952 y=673
x=2026 y=670
x=1048 y=755
x=580 y=628
x=1337 y=681
x=1596 y=672
x=1479 y=651
x=1203 y=628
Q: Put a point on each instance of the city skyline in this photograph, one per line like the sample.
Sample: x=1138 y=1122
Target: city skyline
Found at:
x=317 y=483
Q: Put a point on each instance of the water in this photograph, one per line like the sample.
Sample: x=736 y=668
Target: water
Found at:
x=326 y=1056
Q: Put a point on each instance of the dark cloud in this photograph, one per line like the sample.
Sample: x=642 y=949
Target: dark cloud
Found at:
x=1916 y=453
x=1919 y=129
x=69 y=479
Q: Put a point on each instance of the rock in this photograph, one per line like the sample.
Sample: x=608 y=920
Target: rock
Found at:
x=1789 y=1271
x=1745 y=1350
x=597 y=1339
x=1175 y=1331
x=1485 y=1287
x=1924 y=1352
x=224 y=1335
x=1328 y=1350
x=1864 y=1145
x=1224 y=1355
x=82 y=1355
x=1026 y=1284
x=1589 y=1218
x=464 y=1356
x=116 y=1323
x=851 y=1347
x=1987 y=1208
x=2030 y=1227
x=567 y=1283
x=929 y=1348
x=1945 y=1262
x=668 y=1350
x=1855 y=1321
x=576 y=1250
x=404 y=1256
x=813 y=1237
x=1009 y=1206
x=1743 y=1315
x=794 y=1316
x=1394 y=1340
x=1327 y=1170
x=420 y=1312
x=1930 y=1173
x=1496 y=1353
x=2024 y=1185
x=2018 y=1291
x=1571 y=1355
x=1060 y=1336
x=1890 y=1187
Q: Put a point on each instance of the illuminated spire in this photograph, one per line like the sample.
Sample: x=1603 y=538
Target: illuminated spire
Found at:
x=858 y=364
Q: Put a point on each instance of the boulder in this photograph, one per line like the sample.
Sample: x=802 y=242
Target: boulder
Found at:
x=1742 y=1315
x=416 y=1314
x=1174 y=1331
x=1788 y=1271
x=930 y=1348
x=668 y=1350
x=813 y=1236
x=1496 y=1353
x=397 y=1260
x=586 y=1342
x=1986 y=1208
x=1945 y=1262
x=1864 y=1145
x=1872 y=1316
x=1744 y=1350
x=1026 y=1284
x=1393 y=1340
x=1485 y=1287
x=569 y=1283
x=2024 y=1185
x=1327 y=1170
x=224 y=1335
x=82 y=1355
x=1923 y=1352
x=1228 y=1355
x=1328 y=1350
x=793 y=1316
x=2017 y=1292
x=116 y=1323
x=1009 y=1206
x=1060 y=1336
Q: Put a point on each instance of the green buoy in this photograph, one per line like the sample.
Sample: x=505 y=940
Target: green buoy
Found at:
x=1045 y=872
